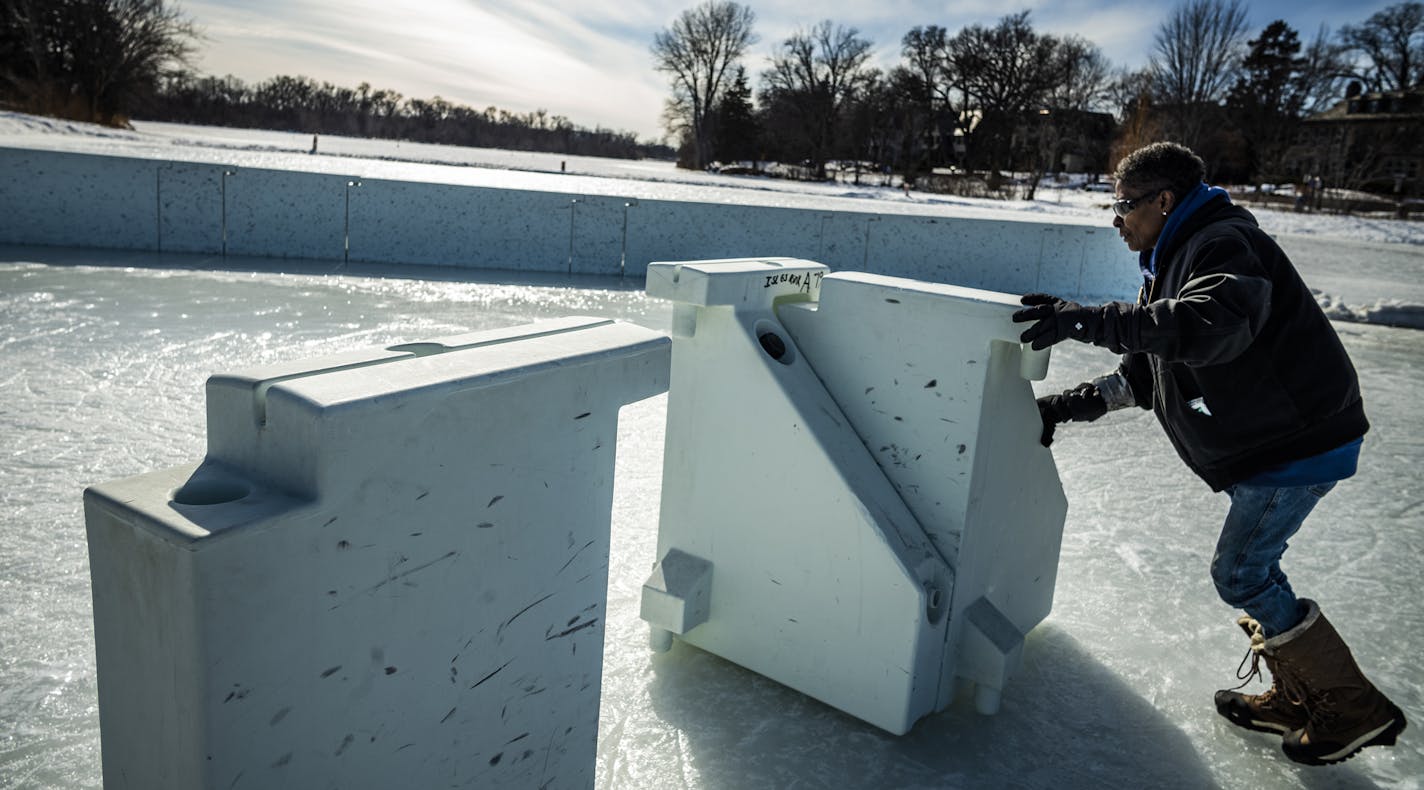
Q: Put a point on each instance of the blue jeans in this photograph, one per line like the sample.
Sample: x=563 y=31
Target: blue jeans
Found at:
x=1247 y=565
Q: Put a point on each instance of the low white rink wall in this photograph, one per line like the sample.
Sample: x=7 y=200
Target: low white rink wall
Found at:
x=380 y=575
x=87 y=200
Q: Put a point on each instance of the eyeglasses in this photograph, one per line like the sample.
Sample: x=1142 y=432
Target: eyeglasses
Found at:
x=1125 y=206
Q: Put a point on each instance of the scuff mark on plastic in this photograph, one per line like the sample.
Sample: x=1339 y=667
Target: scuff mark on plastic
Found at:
x=575 y=555
x=520 y=612
x=492 y=674
x=576 y=628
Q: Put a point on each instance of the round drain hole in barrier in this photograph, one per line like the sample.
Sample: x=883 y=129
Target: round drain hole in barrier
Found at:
x=772 y=344
x=772 y=339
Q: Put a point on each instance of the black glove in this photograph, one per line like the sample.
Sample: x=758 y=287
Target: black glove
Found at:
x=1083 y=403
x=1057 y=320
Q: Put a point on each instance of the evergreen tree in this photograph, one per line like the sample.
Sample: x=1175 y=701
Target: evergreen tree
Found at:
x=738 y=131
x=1266 y=100
x=1269 y=71
x=697 y=53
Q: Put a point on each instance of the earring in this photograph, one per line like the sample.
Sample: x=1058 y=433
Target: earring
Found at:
x=1164 y=213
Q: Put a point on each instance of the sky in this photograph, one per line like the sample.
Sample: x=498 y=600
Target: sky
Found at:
x=590 y=61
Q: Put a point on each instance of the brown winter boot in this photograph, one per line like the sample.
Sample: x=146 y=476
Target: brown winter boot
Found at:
x=1267 y=712
x=1345 y=711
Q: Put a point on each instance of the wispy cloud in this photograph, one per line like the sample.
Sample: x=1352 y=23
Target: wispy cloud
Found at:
x=480 y=54
x=590 y=61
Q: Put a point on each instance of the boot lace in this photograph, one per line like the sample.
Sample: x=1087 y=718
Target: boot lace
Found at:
x=1245 y=674
x=1319 y=706
x=1293 y=691
x=1255 y=654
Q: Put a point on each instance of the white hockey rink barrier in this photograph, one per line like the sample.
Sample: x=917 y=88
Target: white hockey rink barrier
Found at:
x=389 y=571
x=88 y=200
x=391 y=567
x=855 y=502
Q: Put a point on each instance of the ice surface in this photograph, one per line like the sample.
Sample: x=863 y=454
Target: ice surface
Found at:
x=103 y=358
x=102 y=378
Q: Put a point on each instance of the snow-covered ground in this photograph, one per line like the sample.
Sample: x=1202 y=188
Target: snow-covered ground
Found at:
x=104 y=357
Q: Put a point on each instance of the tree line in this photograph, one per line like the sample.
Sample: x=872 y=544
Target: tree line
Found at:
x=989 y=98
x=105 y=61
x=1002 y=97
x=302 y=104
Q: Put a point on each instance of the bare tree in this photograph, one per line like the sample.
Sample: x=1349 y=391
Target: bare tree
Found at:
x=1084 y=76
x=88 y=59
x=926 y=50
x=813 y=76
x=1006 y=72
x=930 y=80
x=1324 y=69
x=1197 y=52
x=1126 y=90
x=901 y=123
x=1130 y=93
x=1080 y=86
x=698 y=52
x=1391 y=43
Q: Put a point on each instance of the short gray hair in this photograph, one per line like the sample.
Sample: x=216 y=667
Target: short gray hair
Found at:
x=1170 y=166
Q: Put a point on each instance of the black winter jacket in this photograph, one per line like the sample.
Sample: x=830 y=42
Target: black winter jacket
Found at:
x=1232 y=353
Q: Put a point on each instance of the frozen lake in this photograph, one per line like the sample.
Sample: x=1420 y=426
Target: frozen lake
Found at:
x=104 y=359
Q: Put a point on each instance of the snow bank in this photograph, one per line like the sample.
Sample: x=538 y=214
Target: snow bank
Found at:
x=1389 y=312
x=16 y=124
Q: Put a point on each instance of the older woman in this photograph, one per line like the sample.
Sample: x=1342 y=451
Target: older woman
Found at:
x=1258 y=396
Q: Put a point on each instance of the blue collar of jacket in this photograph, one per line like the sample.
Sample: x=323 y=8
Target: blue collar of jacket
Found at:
x=1193 y=200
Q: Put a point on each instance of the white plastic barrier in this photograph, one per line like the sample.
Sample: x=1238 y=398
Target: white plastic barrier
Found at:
x=151 y=204
x=283 y=214
x=390 y=571
x=660 y=230
x=1081 y=261
x=55 y=198
x=1012 y=257
x=854 y=501
x=442 y=224
x=190 y=207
